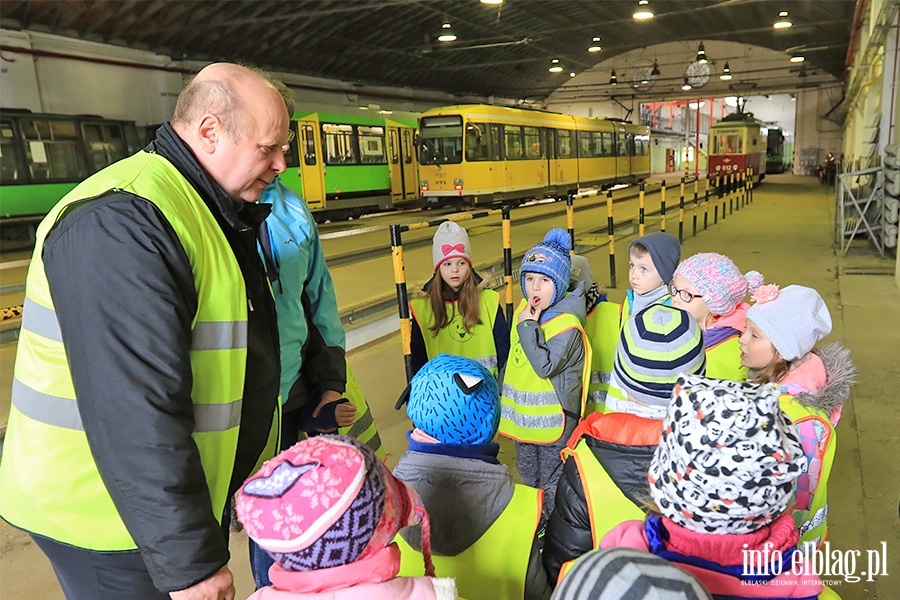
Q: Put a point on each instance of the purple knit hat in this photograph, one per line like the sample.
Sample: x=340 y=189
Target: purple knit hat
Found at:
x=719 y=281
x=326 y=502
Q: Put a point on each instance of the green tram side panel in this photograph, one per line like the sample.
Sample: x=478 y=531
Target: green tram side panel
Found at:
x=356 y=178
x=34 y=199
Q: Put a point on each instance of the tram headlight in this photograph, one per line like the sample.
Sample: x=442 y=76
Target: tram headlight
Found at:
x=458 y=184
x=424 y=185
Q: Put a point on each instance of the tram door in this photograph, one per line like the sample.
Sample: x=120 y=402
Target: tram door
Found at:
x=311 y=171
x=408 y=164
x=394 y=164
x=623 y=160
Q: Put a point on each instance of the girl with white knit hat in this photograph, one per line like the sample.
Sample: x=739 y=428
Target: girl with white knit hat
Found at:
x=712 y=289
x=783 y=328
x=457 y=313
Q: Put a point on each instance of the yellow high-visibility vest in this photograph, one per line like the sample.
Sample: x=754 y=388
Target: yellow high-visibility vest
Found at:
x=496 y=565
x=602 y=327
x=477 y=343
x=363 y=428
x=723 y=361
x=50 y=482
x=530 y=409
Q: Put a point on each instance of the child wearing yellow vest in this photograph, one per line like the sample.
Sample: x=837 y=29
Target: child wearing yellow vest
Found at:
x=778 y=347
x=604 y=478
x=712 y=289
x=456 y=313
x=547 y=374
x=483 y=525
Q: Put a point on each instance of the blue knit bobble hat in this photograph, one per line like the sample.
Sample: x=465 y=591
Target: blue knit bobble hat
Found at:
x=550 y=258
x=455 y=400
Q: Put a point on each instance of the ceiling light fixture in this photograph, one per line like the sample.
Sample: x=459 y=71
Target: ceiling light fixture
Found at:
x=695 y=105
x=798 y=59
x=555 y=67
x=492 y=1
x=687 y=86
x=643 y=12
x=447 y=35
x=572 y=74
x=701 y=55
x=783 y=22
x=655 y=71
x=595 y=47
x=612 y=78
x=726 y=72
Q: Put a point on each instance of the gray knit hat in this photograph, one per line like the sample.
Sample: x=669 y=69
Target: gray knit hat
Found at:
x=581 y=271
x=450 y=241
x=627 y=573
x=655 y=346
x=794 y=319
x=665 y=252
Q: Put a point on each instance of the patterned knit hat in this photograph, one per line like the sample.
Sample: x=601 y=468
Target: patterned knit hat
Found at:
x=665 y=252
x=455 y=400
x=794 y=319
x=627 y=573
x=550 y=258
x=728 y=457
x=326 y=502
x=450 y=241
x=719 y=281
x=655 y=346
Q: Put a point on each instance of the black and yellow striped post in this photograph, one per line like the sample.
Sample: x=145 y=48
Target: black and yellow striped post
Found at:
x=724 y=187
x=716 y=200
x=750 y=198
x=696 y=199
x=706 y=204
x=402 y=298
x=681 y=213
x=610 y=228
x=570 y=221
x=731 y=193
x=640 y=211
x=746 y=186
x=507 y=262
x=662 y=207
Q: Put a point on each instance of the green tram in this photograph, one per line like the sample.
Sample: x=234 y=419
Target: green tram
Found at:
x=43 y=156
x=348 y=165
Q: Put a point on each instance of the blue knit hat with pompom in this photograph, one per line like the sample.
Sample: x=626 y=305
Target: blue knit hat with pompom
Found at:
x=550 y=258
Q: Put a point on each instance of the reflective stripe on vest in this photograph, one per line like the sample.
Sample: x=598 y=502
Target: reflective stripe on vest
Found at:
x=477 y=343
x=45 y=446
x=363 y=429
x=496 y=565
x=813 y=521
x=602 y=327
x=530 y=408
x=723 y=361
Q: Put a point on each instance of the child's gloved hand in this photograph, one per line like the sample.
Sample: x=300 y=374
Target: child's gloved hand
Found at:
x=332 y=412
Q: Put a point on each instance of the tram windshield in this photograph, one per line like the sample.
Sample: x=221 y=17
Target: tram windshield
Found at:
x=728 y=143
x=440 y=140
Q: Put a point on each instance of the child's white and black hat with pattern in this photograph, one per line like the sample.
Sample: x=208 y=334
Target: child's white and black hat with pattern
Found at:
x=728 y=458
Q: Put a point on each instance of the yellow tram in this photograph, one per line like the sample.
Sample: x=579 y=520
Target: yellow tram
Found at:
x=483 y=154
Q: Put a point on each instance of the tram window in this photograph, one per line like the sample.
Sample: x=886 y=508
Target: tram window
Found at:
x=477 y=142
x=339 y=146
x=52 y=150
x=309 y=144
x=392 y=146
x=495 y=142
x=440 y=140
x=105 y=143
x=407 y=150
x=10 y=167
x=728 y=143
x=629 y=143
x=598 y=148
x=564 y=143
x=584 y=144
x=532 y=142
x=621 y=145
x=514 y=142
x=371 y=145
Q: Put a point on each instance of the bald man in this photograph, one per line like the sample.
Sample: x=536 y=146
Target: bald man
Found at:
x=147 y=372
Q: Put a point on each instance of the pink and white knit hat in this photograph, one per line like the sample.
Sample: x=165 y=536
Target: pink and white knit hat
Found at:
x=450 y=241
x=719 y=281
x=328 y=501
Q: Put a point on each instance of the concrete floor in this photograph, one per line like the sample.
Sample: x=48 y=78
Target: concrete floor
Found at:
x=787 y=235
